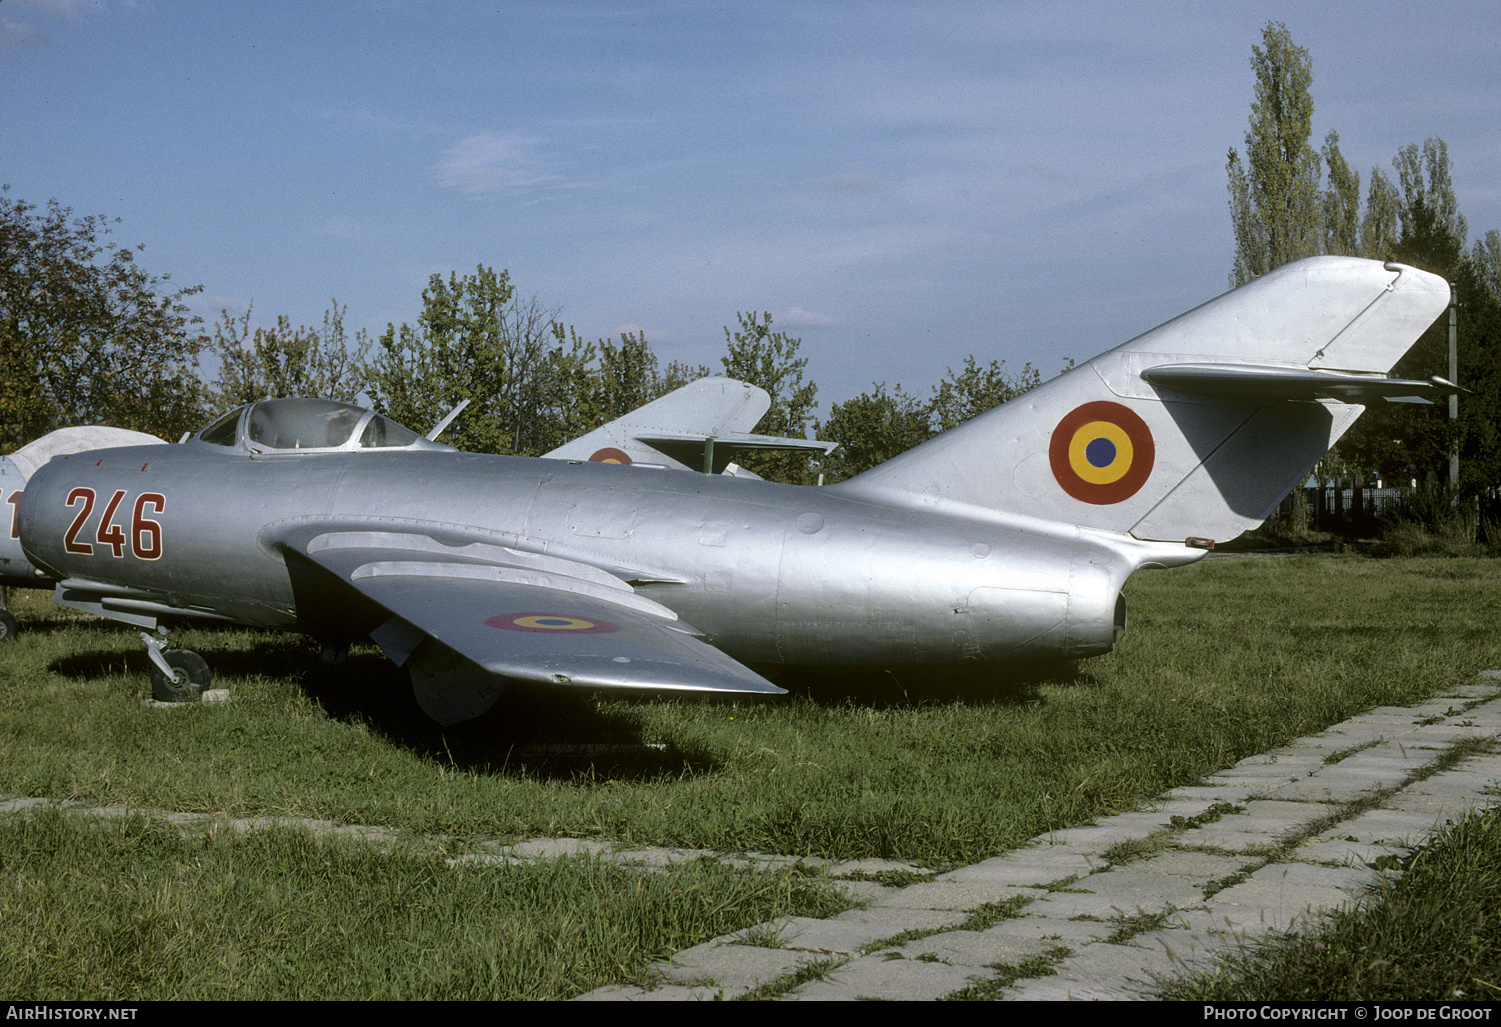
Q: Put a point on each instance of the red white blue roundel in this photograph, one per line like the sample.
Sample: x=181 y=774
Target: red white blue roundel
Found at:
x=1102 y=453
x=560 y=622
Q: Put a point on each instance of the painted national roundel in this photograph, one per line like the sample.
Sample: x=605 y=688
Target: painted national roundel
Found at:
x=1102 y=453
x=610 y=455
x=551 y=622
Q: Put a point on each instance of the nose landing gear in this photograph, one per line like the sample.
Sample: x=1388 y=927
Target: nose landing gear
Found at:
x=177 y=675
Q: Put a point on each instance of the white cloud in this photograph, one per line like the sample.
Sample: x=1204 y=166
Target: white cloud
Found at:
x=16 y=34
x=72 y=10
x=490 y=162
x=797 y=317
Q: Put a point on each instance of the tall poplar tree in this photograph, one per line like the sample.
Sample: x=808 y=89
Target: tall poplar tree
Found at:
x=1276 y=207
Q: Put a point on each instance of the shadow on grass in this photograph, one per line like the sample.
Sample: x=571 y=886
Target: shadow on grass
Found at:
x=970 y=684
x=550 y=733
x=553 y=734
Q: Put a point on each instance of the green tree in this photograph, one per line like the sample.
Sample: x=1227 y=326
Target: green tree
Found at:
x=876 y=426
x=273 y=363
x=1341 y=202
x=1419 y=224
x=973 y=390
x=1275 y=202
x=627 y=375
x=87 y=336
x=473 y=340
x=871 y=429
x=769 y=359
x=600 y=381
x=1380 y=226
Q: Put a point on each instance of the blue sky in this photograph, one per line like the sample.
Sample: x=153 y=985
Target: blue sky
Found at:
x=899 y=184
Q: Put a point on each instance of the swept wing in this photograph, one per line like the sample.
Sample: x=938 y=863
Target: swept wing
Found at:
x=512 y=615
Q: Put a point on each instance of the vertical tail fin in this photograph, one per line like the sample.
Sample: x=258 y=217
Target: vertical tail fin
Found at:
x=1197 y=428
x=705 y=407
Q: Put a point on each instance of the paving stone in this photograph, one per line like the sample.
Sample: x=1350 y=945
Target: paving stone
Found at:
x=1095 y=839
x=807 y=934
x=1201 y=868
x=1289 y=896
x=977 y=948
x=894 y=920
x=1241 y=925
x=1348 y=853
x=732 y=966
x=1351 y=734
x=964 y=948
x=1127 y=892
x=1265 y=821
x=1189 y=952
x=1054 y=933
x=1292 y=762
x=1130 y=970
x=1387 y=826
x=1438 y=805
x=950 y=895
x=1056 y=989
x=874 y=977
x=1461 y=781
x=1030 y=867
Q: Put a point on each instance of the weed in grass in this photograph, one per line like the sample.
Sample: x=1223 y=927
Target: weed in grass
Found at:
x=1131 y=926
x=1007 y=974
x=1340 y=755
x=1209 y=816
x=1130 y=850
x=890 y=878
x=816 y=970
x=1230 y=881
x=772 y=935
x=987 y=916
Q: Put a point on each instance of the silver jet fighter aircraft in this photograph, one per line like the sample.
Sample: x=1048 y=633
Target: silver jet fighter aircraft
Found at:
x=1008 y=538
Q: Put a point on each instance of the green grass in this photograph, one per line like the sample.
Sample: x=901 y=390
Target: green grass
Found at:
x=1223 y=660
x=135 y=910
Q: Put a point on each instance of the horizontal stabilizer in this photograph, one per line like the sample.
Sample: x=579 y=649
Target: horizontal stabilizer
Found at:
x=711 y=454
x=1258 y=382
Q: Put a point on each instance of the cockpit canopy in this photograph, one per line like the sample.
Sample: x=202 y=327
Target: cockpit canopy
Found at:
x=319 y=425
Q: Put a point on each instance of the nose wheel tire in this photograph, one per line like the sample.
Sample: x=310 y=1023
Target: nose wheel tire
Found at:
x=8 y=626
x=190 y=677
